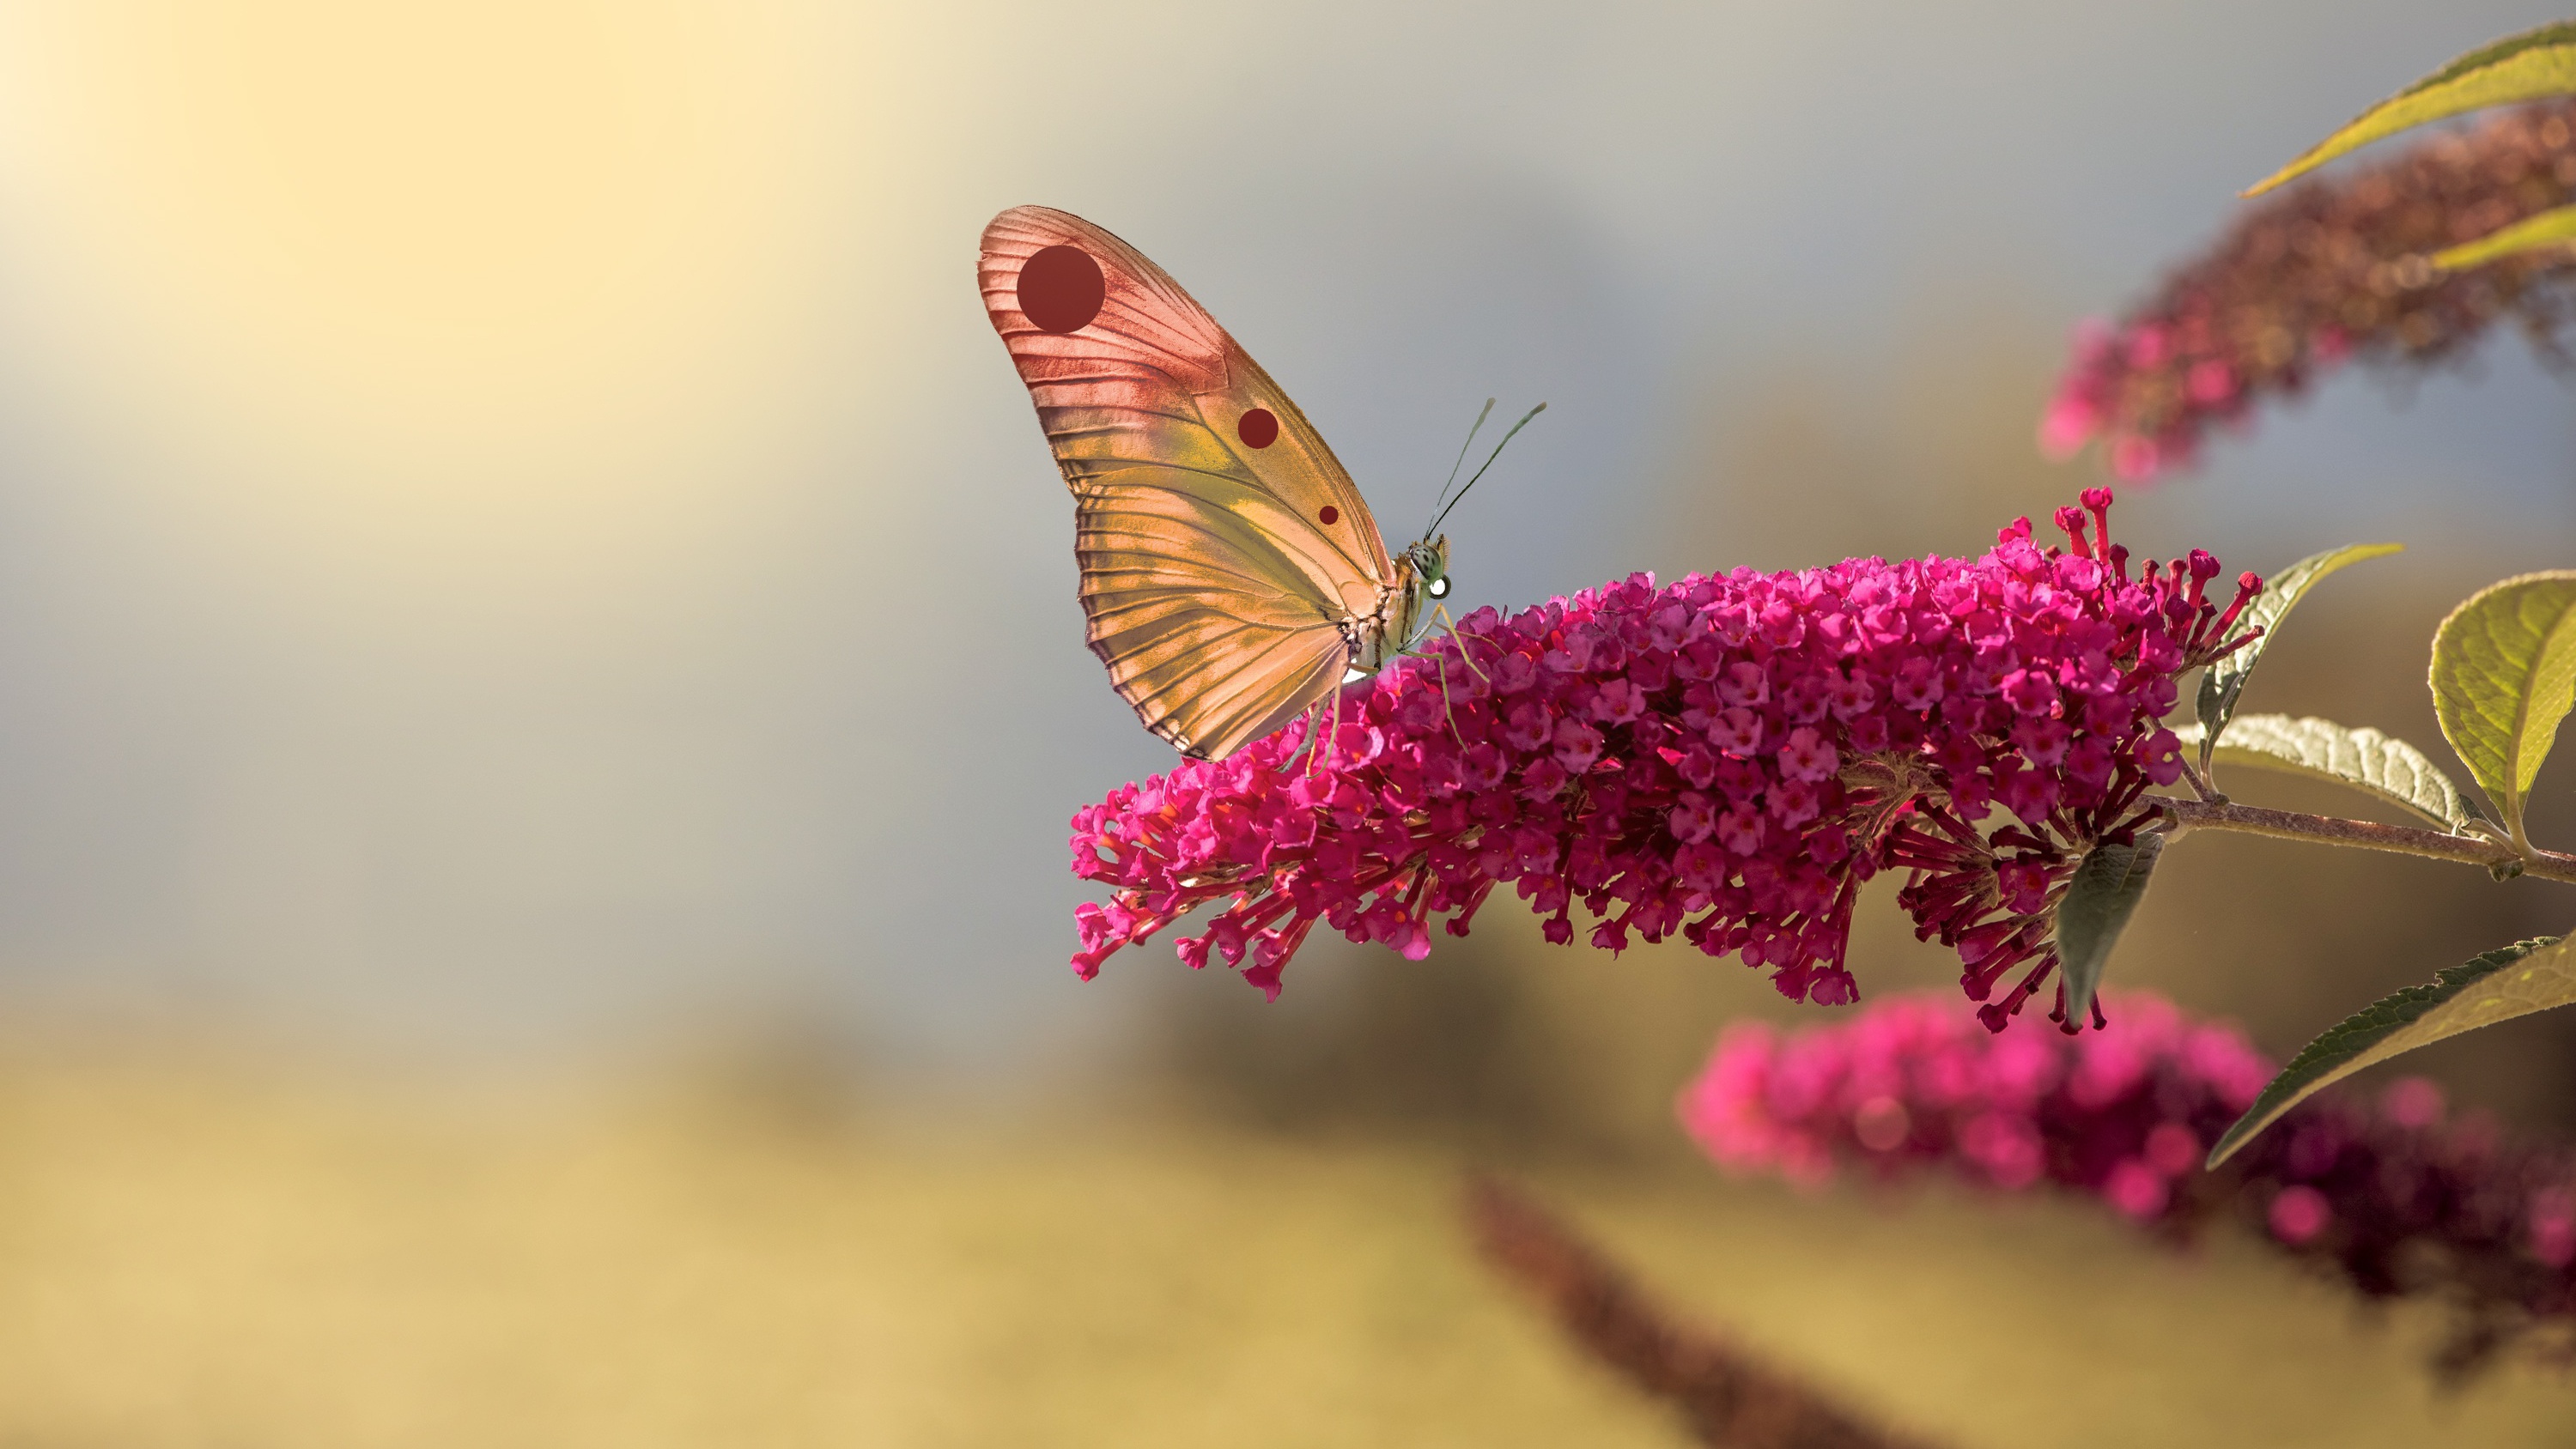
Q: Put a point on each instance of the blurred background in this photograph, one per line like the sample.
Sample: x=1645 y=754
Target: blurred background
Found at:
x=540 y=695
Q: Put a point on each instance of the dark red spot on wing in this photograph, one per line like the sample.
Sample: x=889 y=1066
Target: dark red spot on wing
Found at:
x=1061 y=289
x=1328 y=515
x=1259 y=429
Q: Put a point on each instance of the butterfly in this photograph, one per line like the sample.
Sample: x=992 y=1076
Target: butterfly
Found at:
x=1232 y=576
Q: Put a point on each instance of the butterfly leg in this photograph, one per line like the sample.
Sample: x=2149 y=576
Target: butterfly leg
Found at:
x=1332 y=729
x=1311 y=736
x=1448 y=706
x=1464 y=656
x=1451 y=627
x=1310 y=749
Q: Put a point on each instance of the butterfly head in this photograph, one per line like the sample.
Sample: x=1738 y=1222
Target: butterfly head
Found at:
x=1430 y=563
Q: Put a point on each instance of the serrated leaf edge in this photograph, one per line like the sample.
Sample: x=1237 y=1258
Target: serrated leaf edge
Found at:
x=2356 y=133
x=2223 y=683
x=2325 y=1060
x=2554 y=227
x=2140 y=868
x=2508 y=805
x=2254 y=756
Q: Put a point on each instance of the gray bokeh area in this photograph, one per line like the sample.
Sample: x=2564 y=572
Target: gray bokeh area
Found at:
x=1794 y=280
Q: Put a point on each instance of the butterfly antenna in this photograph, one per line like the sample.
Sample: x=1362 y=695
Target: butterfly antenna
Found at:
x=1489 y=462
x=1462 y=459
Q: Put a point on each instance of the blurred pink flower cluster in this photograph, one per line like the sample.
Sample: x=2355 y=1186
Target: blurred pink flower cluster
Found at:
x=2329 y=270
x=2392 y=1199
x=1726 y=758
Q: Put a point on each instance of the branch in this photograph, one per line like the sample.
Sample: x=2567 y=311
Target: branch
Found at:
x=2499 y=857
x=1729 y=1397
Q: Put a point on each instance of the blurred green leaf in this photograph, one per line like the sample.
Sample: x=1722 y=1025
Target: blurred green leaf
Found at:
x=2518 y=980
x=2521 y=67
x=2104 y=891
x=2554 y=228
x=2365 y=759
x=2504 y=673
x=2222 y=682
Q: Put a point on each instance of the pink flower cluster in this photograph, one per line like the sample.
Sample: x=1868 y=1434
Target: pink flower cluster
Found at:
x=1725 y=759
x=2393 y=1200
x=2329 y=270
x=2152 y=437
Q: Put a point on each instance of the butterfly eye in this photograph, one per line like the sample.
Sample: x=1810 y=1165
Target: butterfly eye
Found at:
x=1440 y=587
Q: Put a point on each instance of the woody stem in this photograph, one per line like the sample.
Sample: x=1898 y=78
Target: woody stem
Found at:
x=2499 y=857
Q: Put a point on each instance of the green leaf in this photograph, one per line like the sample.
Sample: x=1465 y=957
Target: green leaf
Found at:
x=2521 y=67
x=2504 y=673
x=2554 y=228
x=2222 y=682
x=2365 y=759
x=2105 y=889
x=2525 y=977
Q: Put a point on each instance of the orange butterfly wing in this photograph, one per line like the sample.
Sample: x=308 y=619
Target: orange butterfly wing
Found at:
x=1222 y=545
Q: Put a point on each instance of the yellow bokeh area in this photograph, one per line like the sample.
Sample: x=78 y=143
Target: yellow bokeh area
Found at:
x=198 y=1251
x=454 y=266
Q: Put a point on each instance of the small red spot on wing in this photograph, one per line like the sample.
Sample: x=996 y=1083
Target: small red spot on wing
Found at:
x=1328 y=514
x=1061 y=289
x=1259 y=428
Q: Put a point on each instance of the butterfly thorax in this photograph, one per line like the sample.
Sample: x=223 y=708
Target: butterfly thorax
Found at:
x=1403 y=605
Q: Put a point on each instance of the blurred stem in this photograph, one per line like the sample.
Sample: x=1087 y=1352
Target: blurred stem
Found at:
x=1728 y=1396
x=2499 y=857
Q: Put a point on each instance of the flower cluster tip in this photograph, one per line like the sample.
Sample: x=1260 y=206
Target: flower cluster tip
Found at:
x=2333 y=271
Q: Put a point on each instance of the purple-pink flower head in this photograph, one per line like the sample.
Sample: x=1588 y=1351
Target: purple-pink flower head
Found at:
x=2393 y=1198
x=1724 y=759
x=2331 y=271
x=2124 y=1113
